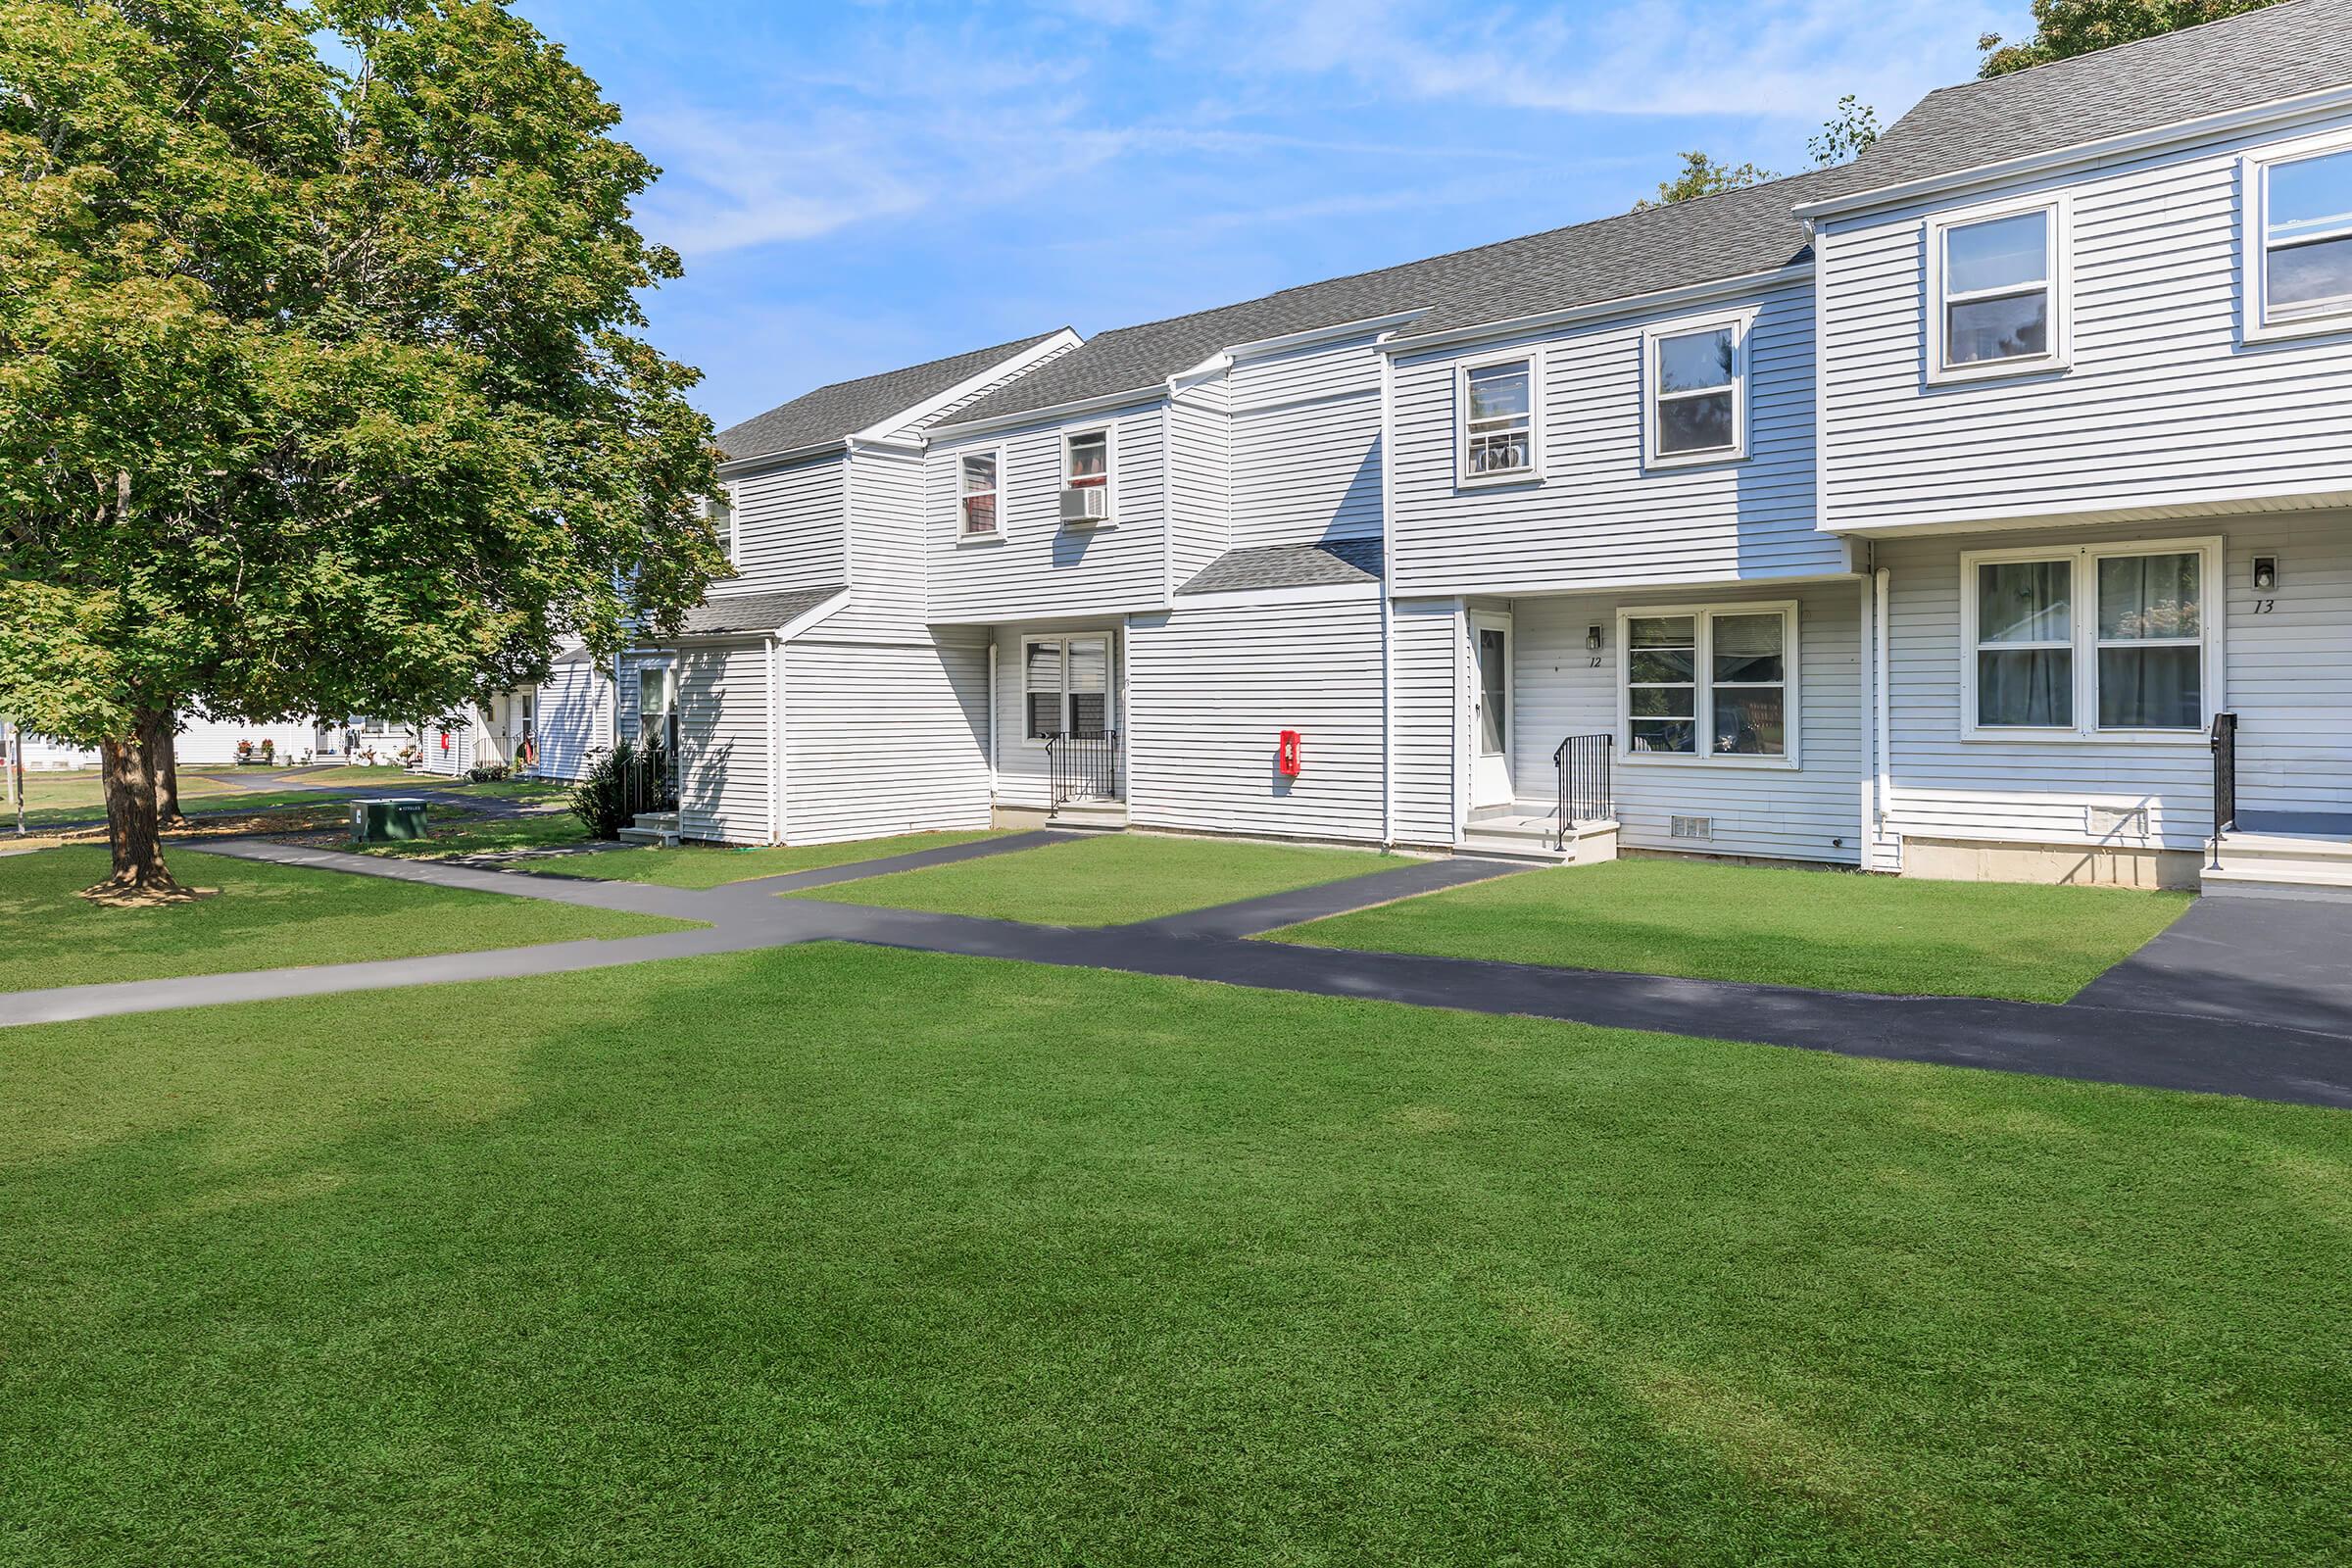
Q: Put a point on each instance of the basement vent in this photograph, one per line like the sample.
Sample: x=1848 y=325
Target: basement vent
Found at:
x=2116 y=821
x=1690 y=827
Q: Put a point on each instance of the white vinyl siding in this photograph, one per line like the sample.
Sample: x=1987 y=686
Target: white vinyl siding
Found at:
x=723 y=791
x=1428 y=687
x=791 y=527
x=1605 y=516
x=1041 y=567
x=573 y=720
x=1755 y=805
x=884 y=739
x=1199 y=481
x=2287 y=670
x=1307 y=445
x=1213 y=691
x=2163 y=413
x=886 y=548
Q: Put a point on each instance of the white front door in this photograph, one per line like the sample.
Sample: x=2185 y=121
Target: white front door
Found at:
x=1491 y=717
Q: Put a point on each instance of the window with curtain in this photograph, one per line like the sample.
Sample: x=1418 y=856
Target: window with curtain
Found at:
x=978 y=486
x=1710 y=683
x=1089 y=461
x=1662 y=683
x=2026 y=644
x=1996 y=289
x=2307 y=237
x=2102 y=639
x=1499 y=420
x=1696 y=396
x=2151 y=655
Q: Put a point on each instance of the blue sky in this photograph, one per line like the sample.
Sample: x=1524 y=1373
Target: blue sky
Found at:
x=860 y=186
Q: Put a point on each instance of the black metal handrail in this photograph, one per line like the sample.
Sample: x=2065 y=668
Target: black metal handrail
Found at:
x=2225 y=776
x=1587 y=795
x=652 y=780
x=1082 y=765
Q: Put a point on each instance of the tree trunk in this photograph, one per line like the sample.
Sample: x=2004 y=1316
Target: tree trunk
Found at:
x=127 y=766
x=163 y=751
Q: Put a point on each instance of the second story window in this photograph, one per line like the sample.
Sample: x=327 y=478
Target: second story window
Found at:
x=721 y=512
x=1997 y=294
x=1497 y=421
x=1697 y=381
x=2304 y=211
x=1086 y=476
x=976 y=498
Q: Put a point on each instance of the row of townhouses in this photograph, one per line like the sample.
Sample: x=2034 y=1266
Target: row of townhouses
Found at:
x=1977 y=509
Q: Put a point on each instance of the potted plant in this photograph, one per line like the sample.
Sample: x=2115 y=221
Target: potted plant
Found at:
x=245 y=751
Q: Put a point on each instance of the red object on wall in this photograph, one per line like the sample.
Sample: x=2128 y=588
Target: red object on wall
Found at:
x=445 y=740
x=1286 y=756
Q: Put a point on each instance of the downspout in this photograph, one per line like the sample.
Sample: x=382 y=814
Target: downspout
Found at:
x=1881 y=723
x=992 y=722
x=775 y=741
x=1387 y=598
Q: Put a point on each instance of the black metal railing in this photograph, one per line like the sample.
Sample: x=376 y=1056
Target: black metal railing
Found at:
x=652 y=780
x=2225 y=776
x=1082 y=766
x=1585 y=792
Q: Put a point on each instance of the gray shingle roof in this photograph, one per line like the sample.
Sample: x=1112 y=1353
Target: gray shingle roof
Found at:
x=833 y=412
x=1331 y=561
x=753 y=611
x=2284 y=51
x=1697 y=241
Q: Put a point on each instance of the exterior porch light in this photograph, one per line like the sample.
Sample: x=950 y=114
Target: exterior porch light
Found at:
x=2266 y=573
x=1592 y=638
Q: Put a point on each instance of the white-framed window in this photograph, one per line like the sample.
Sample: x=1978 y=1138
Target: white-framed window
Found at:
x=1498 y=437
x=1090 y=461
x=2094 y=642
x=1998 y=291
x=2298 y=240
x=979 y=487
x=1708 y=684
x=656 y=705
x=720 y=509
x=1696 y=400
x=1066 y=685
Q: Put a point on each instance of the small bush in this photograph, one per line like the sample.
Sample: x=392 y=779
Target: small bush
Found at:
x=487 y=773
x=605 y=799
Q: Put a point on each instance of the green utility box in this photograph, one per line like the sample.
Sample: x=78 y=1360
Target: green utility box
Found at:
x=386 y=821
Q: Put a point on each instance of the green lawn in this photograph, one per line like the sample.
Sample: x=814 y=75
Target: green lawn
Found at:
x=264 y=918
x=1112 y=879
x=692 y=868
x=1825 y=930
x=848 y=1256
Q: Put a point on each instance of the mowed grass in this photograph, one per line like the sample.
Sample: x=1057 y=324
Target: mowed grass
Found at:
x=845 y=1255
x=1112 y=879
x=263 y=918
x=693 y=868
x=456 y=834
x=1825 y=930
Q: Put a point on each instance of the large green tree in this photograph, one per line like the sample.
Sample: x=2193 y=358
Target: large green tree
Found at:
x=320 y=382
x=2064 y=29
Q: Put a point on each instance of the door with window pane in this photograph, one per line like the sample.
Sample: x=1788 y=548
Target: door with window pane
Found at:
x=1491 y=716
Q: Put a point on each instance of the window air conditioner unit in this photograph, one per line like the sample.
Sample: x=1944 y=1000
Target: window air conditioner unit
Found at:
x=1086 y=504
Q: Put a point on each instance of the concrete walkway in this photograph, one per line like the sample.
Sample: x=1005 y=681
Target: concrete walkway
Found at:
x=2284 y=1034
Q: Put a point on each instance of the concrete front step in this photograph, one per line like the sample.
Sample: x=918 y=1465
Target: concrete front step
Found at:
x=2322 y=880
x=1536 y=838
x=1106 y=816
x=653 y=827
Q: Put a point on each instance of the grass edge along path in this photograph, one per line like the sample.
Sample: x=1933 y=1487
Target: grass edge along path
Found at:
x=263 y=918
x=1768 y=925
x=1109 y=879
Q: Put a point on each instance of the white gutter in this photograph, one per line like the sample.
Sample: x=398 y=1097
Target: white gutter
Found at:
x=1387 y=600
x=1385 y=326
x=2084 y=153
x=1881 y=724
x=786 y=455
